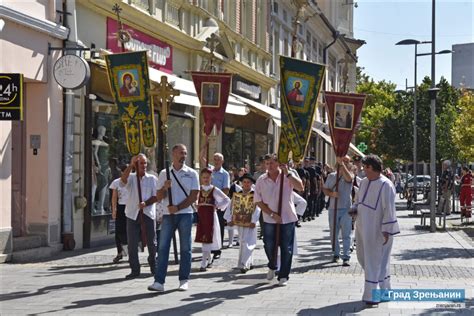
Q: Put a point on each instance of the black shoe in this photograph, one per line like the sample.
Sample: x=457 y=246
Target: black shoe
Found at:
x=117 y=258
x=345 y=263
x=216 y=256
x=336 y=259
x=244 y=270
x=298 y=224
x=201 y=269
x=209 y=265
x=132 y=275
x=371 y=304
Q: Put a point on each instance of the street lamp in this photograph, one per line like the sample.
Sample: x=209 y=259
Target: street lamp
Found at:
x=415 y=160
x=415 y=133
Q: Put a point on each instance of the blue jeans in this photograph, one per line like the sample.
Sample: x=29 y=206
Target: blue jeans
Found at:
x=182 y=222
x=287 y=235
x=343 y=222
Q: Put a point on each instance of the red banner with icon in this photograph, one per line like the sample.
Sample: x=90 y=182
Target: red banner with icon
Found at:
x=343 y=114
x=213 y=92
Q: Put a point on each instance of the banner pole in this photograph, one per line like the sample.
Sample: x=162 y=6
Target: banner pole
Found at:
x=334 y=220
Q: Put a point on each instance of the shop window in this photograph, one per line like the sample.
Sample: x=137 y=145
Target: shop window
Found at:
x=109 y=151
x=232 y=147
x=180 y=131
x=275 y=7
x=241 y=148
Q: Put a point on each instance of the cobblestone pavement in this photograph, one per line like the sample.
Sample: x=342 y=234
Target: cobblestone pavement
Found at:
x=86 y=282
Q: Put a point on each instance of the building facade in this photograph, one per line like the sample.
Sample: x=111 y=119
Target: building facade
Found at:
x=30 y=182
x=177 y=35
x=242 y=37
x=324 y=32
x=462 y=75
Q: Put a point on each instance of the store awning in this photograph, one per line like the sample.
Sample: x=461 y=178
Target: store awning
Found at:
x=327 y=139
x=356 y=150
x=266 y=110
x=323 y=135
x=188 y=94
x=186 y=87
x=236 y=107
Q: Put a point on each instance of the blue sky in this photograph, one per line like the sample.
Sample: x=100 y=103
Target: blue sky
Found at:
x=383 y=23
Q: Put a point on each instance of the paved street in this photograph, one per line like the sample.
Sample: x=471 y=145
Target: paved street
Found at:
x=86 y=282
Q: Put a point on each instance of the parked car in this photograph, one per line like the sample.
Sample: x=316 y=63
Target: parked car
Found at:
x=422 y=181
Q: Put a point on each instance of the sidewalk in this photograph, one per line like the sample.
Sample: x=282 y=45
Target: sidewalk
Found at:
x=87 y=283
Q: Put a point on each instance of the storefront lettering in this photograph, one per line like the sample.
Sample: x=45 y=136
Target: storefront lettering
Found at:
x=253 y=91
x=157 y=54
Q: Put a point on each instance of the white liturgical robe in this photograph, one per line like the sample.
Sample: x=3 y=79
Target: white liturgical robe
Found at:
x=376 y=214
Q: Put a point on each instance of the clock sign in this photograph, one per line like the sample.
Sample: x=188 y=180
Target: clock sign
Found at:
x=71 y=71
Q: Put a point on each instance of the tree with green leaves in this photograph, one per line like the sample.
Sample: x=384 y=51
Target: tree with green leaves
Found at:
x=463 y=128
x=387 y=120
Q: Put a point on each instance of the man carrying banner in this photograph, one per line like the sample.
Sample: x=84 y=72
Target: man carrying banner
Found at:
x=148 y=183
x=266 y=190
x=343 y=220
x=376 y=224
x=184 y=186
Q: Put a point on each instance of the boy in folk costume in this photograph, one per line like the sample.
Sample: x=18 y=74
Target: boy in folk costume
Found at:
x=210 y=198
x=244 y=214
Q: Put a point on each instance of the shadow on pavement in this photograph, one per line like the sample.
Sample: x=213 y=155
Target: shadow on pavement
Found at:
x=209 y=300
x=47 y=289
x=336 y=309
x=433 y=254
x=106 y=301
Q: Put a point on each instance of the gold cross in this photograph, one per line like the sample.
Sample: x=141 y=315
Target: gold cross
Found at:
x=164 y=92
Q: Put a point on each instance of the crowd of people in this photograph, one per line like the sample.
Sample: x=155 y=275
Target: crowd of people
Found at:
x=273 y=201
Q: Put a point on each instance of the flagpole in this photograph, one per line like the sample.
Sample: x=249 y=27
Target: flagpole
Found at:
x=123 y=36
x=165 y=93
x=294 y=41
x=334 y=220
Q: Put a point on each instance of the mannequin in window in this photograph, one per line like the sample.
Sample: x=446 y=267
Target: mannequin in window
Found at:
x=100 y=151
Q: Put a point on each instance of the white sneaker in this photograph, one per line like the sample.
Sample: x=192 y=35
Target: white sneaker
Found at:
x=270 y=274
x=283 y=282
x=183 y=285
x=157 y=287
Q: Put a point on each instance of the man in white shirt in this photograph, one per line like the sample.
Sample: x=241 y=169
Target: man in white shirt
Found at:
x=135 y=205
x=184 y=186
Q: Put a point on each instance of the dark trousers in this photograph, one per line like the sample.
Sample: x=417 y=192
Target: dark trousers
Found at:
x=120 y=228
x=222 y=222
x=287 y=235
x=134 y=236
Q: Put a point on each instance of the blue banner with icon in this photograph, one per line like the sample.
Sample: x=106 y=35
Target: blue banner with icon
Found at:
x=130 y=87
x=300 y=85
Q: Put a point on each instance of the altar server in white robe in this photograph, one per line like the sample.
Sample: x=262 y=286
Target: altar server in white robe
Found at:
x=376 y=224
x=245 y=219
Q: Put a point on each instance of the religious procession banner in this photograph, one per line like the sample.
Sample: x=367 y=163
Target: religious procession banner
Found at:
x=213 y=92
x=343 y=113
x=130 y=86
x=300 y=85
x=242 y=209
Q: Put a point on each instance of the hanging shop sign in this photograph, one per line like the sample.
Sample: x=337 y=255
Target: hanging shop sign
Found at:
x=11 y=97
x=246 y=88
x=71 y=72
